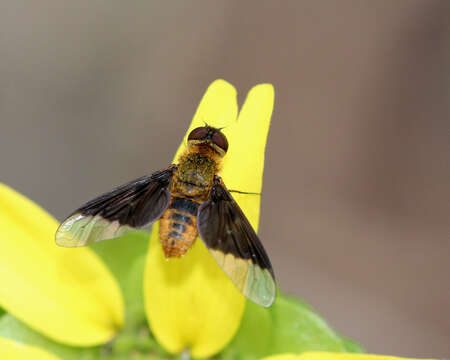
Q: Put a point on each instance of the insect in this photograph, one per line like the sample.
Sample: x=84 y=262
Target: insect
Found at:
x=190 y=199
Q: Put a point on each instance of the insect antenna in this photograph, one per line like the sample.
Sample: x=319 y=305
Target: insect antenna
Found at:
x=245 y=192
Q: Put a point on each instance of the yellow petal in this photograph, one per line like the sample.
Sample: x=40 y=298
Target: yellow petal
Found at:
x=243 y=165
x=11 y=350
x=343 y=356
x=67 y=294
x=190 y=302
x=282 y=357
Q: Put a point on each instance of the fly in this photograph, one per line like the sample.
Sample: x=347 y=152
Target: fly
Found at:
x=189 y=199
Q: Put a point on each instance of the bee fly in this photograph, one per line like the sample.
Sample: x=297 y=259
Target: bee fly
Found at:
x=189 y=199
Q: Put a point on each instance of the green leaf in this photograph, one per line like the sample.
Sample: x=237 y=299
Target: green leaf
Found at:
x=125 y=257
x=14 y=329
x=253 y=337
x=352 y=346
x=289 y=325
x=296 y=328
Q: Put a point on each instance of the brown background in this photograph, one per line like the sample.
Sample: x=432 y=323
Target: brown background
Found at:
x=355 y=211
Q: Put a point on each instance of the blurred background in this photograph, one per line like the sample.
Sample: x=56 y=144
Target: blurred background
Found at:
x=355 y=206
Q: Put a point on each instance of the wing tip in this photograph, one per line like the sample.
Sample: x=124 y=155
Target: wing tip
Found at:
x=262 y=288
x=66 y=240
x=265 y=302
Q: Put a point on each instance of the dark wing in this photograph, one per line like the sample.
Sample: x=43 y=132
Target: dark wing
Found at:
x=125 y=209
x=235 y=246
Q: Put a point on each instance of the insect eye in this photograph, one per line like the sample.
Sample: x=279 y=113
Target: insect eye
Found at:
x=198 y=134
x=220 y=140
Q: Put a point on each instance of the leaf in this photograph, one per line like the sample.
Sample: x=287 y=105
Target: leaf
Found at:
x=296 y=328
x=253 y=337
x=14 y=329
x=288 y=326
x=352 y=346
x=125 y=257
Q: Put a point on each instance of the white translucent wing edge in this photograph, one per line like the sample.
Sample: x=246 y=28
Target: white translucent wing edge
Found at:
x=261 y=286
x=254 y=283
x=80 y=230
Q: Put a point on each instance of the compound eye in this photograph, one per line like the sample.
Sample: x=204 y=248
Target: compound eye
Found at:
x=199 y=133
x=220 y=140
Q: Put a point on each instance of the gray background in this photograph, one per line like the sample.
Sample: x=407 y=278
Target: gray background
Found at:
x=355 y=210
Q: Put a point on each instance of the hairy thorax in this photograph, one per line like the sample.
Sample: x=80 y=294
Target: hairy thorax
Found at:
x=194 y=176
x=191 y=186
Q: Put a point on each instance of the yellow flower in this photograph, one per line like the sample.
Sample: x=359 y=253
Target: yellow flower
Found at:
x=71 y=296
x=190 y=302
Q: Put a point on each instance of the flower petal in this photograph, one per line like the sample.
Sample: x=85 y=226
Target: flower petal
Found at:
x=67 y=294
x=190 y=302
x=243 y=165
x=11 y=350
x=283 y=357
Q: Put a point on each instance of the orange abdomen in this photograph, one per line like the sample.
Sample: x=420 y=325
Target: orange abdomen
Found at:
x=178 y=226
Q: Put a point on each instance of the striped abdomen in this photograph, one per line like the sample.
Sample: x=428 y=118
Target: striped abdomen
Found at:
x=178 y=226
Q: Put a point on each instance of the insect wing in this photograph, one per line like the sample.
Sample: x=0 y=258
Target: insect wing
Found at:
x=235 y=246
x=113 y=214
